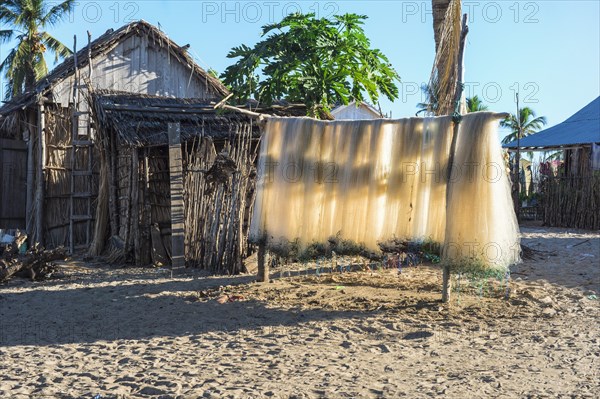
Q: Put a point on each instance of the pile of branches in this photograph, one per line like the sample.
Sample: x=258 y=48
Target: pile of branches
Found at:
x=36 y=264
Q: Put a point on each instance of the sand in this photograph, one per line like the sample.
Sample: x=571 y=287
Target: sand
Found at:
x=100 y=331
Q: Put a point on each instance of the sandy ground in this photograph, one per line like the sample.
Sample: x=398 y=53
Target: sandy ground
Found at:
x=139 y=333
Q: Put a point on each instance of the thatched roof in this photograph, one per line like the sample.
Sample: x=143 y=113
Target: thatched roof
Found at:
x=103 y=45
x=142 y=120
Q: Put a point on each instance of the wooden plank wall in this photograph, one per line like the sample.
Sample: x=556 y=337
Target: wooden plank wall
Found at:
x=13 y=175
x=139 y=65
x=136 y=65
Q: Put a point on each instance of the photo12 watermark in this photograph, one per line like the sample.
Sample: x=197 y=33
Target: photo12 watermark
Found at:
x=93 y=12
x=488 y=92
x=492 y=12
x=263 y=12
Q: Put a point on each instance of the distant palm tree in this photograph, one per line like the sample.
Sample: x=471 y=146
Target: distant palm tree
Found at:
x=474 y=104
x=527 y=120
x=431 y=106
x=28 y=19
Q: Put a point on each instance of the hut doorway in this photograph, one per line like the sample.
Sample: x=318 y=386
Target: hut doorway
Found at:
x=13 y=171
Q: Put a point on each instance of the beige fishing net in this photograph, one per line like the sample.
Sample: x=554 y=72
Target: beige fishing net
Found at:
x=370 y=181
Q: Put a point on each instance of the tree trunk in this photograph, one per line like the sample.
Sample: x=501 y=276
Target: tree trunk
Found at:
x=447 y=28
x=439 y=7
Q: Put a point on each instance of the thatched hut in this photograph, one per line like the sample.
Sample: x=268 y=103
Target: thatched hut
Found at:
x=64 y=153
x=136 y=201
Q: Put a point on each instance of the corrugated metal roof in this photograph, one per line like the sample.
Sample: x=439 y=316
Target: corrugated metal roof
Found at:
x=581 y=128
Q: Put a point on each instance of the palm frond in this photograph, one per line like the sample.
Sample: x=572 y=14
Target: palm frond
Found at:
x=58 y=12
x=8 y=61
x=40 y=68
x=6 y=35
x=55 y=45
x=529 y=123
x=16 y=75
x=8 y=12
x=474 y=104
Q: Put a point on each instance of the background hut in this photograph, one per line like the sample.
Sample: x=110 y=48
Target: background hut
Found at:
x=48 y=132
x=570 y=194
x=354 y=111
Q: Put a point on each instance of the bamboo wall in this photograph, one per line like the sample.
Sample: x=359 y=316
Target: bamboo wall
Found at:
x=57 y=176
x=572 y=198
x=572 y=201
x=217 y=201
x=218 y=195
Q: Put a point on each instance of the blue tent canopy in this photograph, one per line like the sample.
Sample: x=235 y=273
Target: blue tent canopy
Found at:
x=581 y=128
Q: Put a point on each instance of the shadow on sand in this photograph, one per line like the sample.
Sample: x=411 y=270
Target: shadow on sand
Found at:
x=138 y=309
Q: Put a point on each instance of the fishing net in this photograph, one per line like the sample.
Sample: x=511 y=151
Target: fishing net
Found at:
x=371 y=181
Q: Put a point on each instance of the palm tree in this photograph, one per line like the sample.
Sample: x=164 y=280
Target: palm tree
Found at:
x=528 y=121
x=430 y=106
x=25 y=63
x=474 y=104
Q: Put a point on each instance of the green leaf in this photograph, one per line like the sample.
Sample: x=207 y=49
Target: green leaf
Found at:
x=25 y=64
x=318 y=62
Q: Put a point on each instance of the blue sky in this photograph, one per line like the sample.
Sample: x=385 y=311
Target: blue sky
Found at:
x=549 y=50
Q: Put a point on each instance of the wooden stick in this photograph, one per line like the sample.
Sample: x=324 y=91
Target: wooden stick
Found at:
x=113 y=205
x=446 y=289
x=146 y=244
x=223 y=101
x=461 y=71
x=135 y=209
x=39 y=200
x=128 y=211
x=177 y=212
x=246 y=112
x=89 y=54
x=582 y=242
x=30 y=180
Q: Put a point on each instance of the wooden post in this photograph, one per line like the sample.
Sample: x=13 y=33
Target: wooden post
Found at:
x=177 y=214
x=446 y=284
x=135 y=209
x=30 y=180
x=446 y=289
x=458 y=98
x=89 y=54
x=39 y=195
x=146 y=246
x=113 y=203
x=263 y=266
x=74 y=134
x=517 y=168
